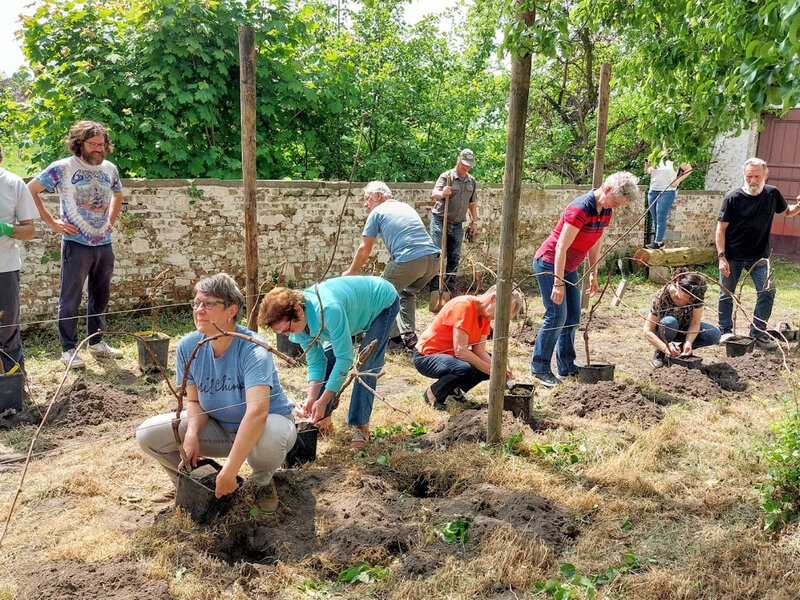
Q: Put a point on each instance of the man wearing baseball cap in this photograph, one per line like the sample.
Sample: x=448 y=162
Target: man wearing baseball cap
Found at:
x=455 y=188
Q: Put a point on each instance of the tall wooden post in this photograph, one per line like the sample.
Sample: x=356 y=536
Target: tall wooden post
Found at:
x=599 y=157
x=247 y=89
x=602 y=126
x=515 y=146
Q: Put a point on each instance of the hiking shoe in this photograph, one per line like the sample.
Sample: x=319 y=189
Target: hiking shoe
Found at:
x=103 y=350
x=726 y=335
x=658 y=359
x=77 y=362
x=410 y=340
x=267 y=498
x=459 y=396
x=395 y=344
x=766 y=343
x=546 y=379
x=655 y=245
x=567 y=376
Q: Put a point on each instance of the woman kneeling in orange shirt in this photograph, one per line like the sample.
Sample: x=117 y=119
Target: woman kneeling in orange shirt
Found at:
x=452 y=349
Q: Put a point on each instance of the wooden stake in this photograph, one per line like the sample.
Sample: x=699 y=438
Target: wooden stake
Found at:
x=247 y=89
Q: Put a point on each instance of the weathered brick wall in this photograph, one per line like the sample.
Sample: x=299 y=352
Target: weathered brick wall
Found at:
x=164 y=224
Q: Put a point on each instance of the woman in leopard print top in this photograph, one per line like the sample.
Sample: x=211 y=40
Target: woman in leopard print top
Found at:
x=674 y=326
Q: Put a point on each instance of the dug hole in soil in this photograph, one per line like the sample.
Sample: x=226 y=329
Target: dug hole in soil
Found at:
x=376 y=515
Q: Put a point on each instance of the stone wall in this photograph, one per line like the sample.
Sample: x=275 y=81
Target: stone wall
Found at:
x=197 y=229
x=730 y=151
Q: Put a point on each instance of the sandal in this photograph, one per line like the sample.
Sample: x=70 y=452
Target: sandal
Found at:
x=360 y=436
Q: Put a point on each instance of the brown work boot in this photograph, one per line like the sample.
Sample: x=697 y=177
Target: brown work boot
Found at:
x=267 y=498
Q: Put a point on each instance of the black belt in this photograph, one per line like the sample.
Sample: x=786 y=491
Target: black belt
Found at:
x=449 y=222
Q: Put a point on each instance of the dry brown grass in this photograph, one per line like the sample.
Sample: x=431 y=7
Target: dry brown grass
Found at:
x=677 y=493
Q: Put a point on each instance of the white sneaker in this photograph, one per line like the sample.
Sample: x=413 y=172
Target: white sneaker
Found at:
x=725 y=337
x=103 y=350
x=77 y=362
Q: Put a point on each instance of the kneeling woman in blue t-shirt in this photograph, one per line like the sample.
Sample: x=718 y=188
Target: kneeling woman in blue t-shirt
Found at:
x=235 y=406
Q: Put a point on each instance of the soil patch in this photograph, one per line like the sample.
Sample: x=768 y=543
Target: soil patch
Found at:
x=692 y=383
x=72 y=580
x=608 y=398
x=758 y=366
x=469 y=427
x=334 y=517
x=81 y=404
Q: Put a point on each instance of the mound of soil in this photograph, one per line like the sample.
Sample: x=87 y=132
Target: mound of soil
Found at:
x=81 y=404
x=72 y=579
x=335 y=517
x=608 y=398
x=757 y=366
x=85 y=403
x=468 y=426
x=688 y=383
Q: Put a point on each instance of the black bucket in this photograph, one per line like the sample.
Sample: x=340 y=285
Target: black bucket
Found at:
x=305 y=448
x=690 y=362
x=519 y=400
x=595 y=373
x=195 y=491
x=159 y=344
x=11 y=387
x=288 y=347
x=739 y=345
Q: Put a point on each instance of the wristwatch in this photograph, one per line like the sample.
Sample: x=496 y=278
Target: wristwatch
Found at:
x=721 y=255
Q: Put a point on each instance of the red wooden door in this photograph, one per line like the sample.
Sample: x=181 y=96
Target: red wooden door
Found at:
x=779 y=145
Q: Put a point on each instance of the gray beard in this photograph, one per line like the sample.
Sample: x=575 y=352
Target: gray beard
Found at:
x=753 y=190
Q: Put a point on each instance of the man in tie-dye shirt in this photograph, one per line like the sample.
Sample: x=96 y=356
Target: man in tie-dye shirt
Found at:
x=90 y=194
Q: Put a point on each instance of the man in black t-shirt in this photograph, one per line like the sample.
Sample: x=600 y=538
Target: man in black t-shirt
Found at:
x=743 y=242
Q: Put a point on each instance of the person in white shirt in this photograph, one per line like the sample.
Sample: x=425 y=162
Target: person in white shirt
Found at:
x=664 y=182
x=17 y=212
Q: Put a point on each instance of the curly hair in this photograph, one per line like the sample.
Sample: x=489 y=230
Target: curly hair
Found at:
x=82 y=131
x=280 y=303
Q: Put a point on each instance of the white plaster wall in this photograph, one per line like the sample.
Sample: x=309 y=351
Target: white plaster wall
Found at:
x=730 y=151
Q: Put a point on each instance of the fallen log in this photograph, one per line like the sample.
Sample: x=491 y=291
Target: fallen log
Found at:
x=675 y=257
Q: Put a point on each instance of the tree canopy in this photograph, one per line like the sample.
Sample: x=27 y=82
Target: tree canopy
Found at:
x=163 y=75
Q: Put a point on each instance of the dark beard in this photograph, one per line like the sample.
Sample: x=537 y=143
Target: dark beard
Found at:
x=89 y=159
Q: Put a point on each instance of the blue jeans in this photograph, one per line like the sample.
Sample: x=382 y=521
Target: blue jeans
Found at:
x=450 y=373
x=560 y=322
x=659 y=211
x=765 y=295
x=667 y=329
x=455 y=237
x=361 y=399
x=79 y=263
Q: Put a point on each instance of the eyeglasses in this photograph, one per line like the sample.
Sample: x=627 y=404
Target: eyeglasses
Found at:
x=286 y=330
x=95 y=145
x=206 y=304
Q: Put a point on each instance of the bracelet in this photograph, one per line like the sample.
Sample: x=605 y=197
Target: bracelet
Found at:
x=721 y=255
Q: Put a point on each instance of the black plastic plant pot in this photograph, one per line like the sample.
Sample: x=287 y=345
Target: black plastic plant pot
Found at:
x=690 y=362
x=519 y=400
x=305 y=448
x=595 y=373
x=739 y=345
x=195 y=492
x=11 y=388
x=159 y=344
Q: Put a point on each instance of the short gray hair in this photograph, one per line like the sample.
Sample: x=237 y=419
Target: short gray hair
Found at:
x=224 y=287
x=755 y=162
x=378 y=186
x=623 y=184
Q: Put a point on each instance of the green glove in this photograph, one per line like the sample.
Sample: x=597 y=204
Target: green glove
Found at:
x=6 y=229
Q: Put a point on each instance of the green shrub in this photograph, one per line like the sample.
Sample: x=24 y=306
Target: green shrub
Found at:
x=779 y=495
